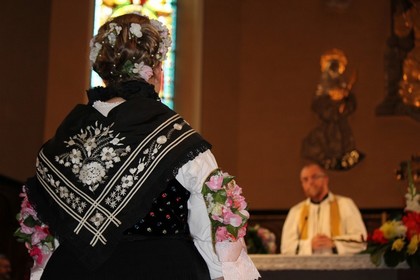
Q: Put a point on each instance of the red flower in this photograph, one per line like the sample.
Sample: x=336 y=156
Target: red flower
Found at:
x=412 y=221
x=378 y=237
x=36 y=253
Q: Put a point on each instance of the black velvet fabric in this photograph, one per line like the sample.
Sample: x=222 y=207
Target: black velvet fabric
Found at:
x=172 y=258
x=132 y=122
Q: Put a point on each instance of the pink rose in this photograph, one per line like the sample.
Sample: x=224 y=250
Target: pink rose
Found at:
x=25 y=229
x=215 y=182
x=235 y=191
x=26 y=208
x=221 y=234
x=143 y=70
x=217 y=218
x=242 y=232
x=39 y=234
x=239 y=203
x=232 y=219
x=244 y=213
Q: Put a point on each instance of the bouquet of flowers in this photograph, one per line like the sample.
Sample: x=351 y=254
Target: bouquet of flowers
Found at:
x=33 y=232
x=226 y=206
x=260 y=240
x=398 y=240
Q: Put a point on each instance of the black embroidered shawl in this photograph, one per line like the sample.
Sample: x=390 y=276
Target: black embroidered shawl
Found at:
x=98 y=175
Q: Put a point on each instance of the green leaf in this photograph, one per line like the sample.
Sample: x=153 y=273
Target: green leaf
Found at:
x=220 y=196
x=227 y=179
x=30 y=222
x=22 y=237
x=127 y=68
x=232 y=230
x=377 y=253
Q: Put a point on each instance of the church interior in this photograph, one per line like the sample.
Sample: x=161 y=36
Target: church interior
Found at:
x=246 y=76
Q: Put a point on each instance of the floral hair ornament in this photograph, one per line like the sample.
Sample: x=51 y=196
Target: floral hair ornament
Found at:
x=137 y=69
x=94 y=50
x=135 y=30
x=226 y=207
x=166 y=42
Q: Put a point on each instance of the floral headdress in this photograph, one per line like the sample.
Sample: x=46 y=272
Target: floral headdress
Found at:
x=133 y=68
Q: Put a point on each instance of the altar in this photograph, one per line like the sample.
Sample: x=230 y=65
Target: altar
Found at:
x=328 y=267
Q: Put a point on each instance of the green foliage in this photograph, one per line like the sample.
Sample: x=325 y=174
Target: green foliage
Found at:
x=254 y=243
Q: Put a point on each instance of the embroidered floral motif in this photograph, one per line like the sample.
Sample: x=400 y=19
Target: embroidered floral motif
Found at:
x=97 y=219
x=93 y=153
x=73 y=200
x=149 y=155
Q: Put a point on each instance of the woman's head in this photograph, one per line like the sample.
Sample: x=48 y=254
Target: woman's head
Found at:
x=129 y=47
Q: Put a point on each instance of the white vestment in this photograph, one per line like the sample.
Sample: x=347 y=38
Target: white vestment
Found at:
x=352 y=228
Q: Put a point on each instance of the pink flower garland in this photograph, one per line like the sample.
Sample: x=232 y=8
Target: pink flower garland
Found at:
x=33 y=232
x=226 y=206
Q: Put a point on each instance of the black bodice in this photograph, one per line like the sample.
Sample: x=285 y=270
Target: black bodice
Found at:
x=168 y=215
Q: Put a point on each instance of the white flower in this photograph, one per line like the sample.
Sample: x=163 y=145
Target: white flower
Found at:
x=97 y=219
x=412 y=203
x=75 y=169
x=113 y=26
x=92 y=173
x=217 y=209
x=166 y=42
x=135 y=29
x=144 y=71
x=127 y=181
x=161 y=139
x=112 y=38
x=109 y=164
x=177 y=126
x=115 y=141
x=94 y=51
x=75 y=156
x=107 y=153
x=90 y=145
x=64 y=192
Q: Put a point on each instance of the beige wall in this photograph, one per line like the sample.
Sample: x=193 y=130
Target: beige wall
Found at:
x=260 y=71
x=68 y=68
x=246 y=73
x=24 y=46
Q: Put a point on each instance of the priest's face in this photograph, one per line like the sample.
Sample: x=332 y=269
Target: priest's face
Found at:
x=314 y=182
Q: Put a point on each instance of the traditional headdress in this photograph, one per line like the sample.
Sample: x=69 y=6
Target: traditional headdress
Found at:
x=133 y=67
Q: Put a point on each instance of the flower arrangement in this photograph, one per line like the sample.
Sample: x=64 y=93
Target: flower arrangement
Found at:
x=260 y=240
x=398 y=240
x=36 y=235
x=226 y=206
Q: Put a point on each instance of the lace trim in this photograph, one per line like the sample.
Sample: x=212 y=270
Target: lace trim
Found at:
x=192 y=154
x=105 y=107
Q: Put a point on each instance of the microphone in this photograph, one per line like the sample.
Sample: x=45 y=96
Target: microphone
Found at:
x=300 y=235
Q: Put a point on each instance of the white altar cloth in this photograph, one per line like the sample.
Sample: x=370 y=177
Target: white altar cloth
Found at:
x=315 y=262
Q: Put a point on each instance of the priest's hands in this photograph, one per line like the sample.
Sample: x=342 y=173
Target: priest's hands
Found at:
x=321 y=241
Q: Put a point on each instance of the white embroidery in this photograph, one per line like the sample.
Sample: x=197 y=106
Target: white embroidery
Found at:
x=70 y=198
x=149 y=154
x=94 y=151
x=97 y=219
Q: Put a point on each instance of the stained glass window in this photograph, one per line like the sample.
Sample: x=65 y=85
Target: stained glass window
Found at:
x=162 y=10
